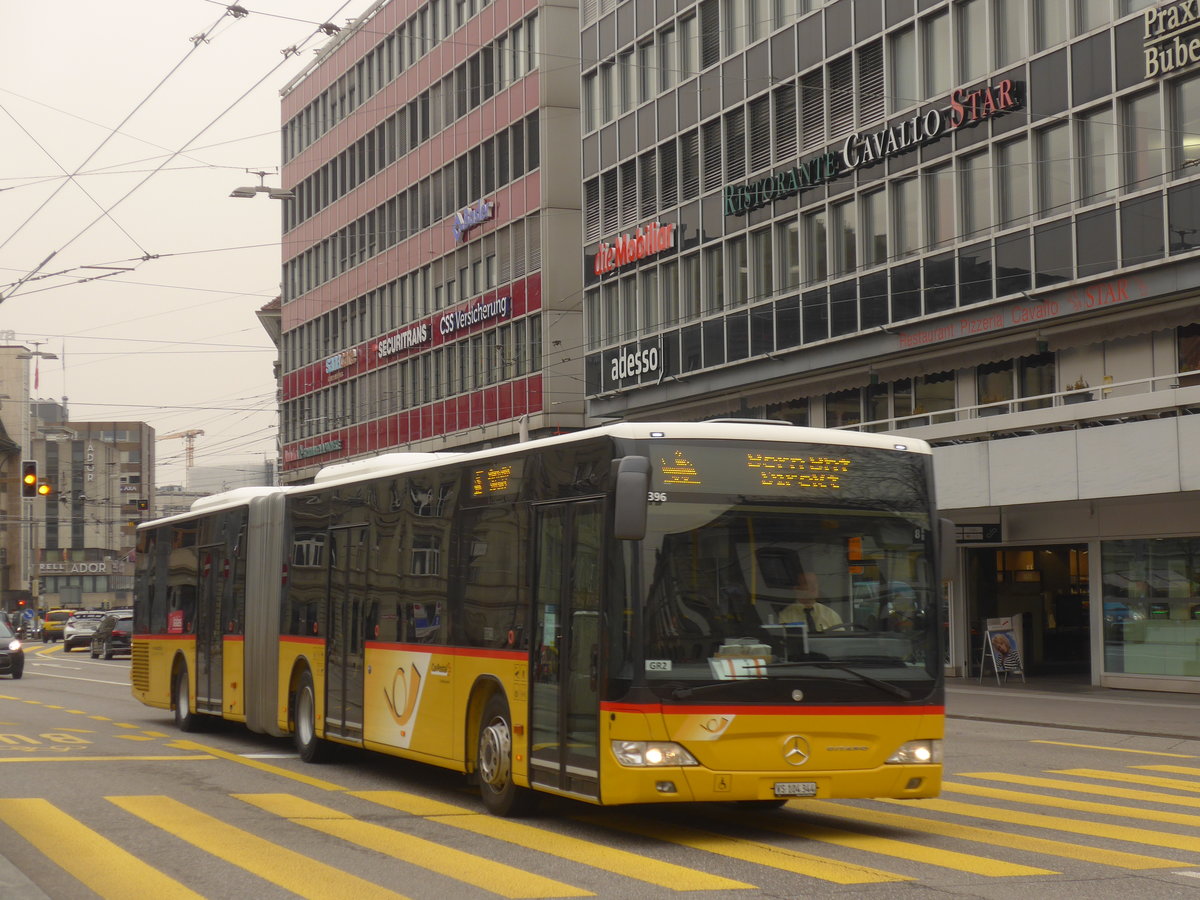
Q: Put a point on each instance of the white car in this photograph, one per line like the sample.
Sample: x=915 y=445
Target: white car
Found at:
x=78 y=630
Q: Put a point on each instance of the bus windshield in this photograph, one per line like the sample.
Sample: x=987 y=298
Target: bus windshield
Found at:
x=814 y=581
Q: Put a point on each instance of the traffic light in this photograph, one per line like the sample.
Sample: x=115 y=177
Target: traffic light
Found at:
x=44 y=489
x=29 y=478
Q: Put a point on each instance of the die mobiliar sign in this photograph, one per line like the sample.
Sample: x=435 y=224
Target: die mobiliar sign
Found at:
x=966 y=107
x=646 y=241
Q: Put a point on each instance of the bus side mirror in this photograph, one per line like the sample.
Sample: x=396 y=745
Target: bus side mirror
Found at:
x=948 y=547
x=630 y=498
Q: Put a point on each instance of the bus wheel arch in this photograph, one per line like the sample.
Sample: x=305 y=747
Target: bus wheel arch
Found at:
x=181 y=695
x=302 y=716
x=493 y=752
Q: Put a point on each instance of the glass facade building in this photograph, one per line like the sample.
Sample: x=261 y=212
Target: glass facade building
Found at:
x=970 y=221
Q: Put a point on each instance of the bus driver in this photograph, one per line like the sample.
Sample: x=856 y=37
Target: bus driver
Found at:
x=817 y=616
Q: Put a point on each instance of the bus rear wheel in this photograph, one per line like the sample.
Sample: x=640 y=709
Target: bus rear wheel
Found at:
x=185 y=719
x=311 y=748
x=500 y=794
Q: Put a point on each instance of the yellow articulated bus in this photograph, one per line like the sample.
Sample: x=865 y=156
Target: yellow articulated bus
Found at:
x=723 y=611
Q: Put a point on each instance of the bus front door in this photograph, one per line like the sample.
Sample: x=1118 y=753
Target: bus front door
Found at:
x=209 y=616
x=348 y=555
x=566 y=648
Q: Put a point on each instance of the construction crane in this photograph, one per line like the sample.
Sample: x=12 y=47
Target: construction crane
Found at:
x=189 y=443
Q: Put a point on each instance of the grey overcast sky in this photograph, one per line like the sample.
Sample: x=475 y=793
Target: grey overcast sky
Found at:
x=174 y=340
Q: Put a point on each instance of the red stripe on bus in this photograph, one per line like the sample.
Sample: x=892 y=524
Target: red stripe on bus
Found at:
x=475 y=652
x=300 y=639
x=747 y=710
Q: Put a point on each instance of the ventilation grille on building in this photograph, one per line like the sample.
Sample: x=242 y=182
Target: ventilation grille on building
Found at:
x=870 y=84
x=689 y=165
x=785 y=123
x=812 y=110
x=629 y=196
x=760 y=133
x=735 y=144
x=713 y=176
x=841 y=97
x=668 y=176
x=591 y=202
x=648 y=175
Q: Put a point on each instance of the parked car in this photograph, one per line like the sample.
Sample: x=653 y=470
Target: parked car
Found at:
x=78 y=630
x=12 y=655
x=113 y=635
x=54 y=623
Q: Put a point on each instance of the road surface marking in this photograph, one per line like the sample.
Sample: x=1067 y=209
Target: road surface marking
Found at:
x=1127 y=778
x=1115 y=749
x=87 y=855
x=256 y=764
x=756 y=852
x=1114 y=793
x=286 y=868
x=469 y=868
x=590 y=853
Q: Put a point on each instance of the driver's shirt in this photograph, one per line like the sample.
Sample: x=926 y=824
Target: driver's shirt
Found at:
x=823 y=616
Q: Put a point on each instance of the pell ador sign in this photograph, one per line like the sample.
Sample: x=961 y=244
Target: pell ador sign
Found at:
x=967 y=106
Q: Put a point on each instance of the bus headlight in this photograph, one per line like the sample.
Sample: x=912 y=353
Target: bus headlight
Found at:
x=652 y=753
x=917 y=753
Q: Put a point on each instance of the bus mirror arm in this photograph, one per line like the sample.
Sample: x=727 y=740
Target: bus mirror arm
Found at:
x=630 y=498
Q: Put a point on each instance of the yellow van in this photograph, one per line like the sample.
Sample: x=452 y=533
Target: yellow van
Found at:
x=52 y=626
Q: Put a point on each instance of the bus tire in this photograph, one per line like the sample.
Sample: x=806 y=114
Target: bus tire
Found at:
x=185 y=719
x=311 y=748
x=500 y=794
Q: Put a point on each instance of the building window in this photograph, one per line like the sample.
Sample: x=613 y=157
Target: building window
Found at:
x=845 y=237
x=874 y=228
x=1011 y=27
x=1143 y=141
x=973 y=43
x=763 y=267
x=1186 y=115
x=739 y=273
x=788 y=234
x=714 y=279
x=843 y=408
x=976 y=194
x=939 y=206
x=902 y=66
x=906 y=217
x=816 y=260
x=1054 y=170
x=1050 y=22
x=936 y=49
x=1098 y=155
x=1012 y=182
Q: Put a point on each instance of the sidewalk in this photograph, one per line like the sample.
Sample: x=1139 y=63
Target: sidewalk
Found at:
x=1064 y=703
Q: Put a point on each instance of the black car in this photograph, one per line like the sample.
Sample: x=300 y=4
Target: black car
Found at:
x=113 y=635
x=12 y=657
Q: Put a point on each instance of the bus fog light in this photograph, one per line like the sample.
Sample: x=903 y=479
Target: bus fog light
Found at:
x=665 y=787
x=917 y=753
x=652 y=753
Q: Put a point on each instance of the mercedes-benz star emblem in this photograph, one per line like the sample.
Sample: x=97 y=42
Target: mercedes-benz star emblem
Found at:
x=796 y=750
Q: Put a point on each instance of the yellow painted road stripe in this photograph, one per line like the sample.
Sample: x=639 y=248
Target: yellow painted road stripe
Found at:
x=990 y=836
x=1116 y=749
x=868 y=843
x=97 y=862
x=1126 y=778
x=69 y=759
x=610 y=859
x=747 y=851
x=292 y=871
x=469 y=868
x=256 y=764
x=1176 y=770
x=1113 y=793
x=1057 y=823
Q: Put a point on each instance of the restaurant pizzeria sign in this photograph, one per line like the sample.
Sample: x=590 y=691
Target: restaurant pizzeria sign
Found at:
x=966 y=107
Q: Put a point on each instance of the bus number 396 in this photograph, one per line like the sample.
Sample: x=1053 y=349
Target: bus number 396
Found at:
x=656 y=497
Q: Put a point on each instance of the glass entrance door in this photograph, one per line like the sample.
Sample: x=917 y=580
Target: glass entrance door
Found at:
x=210 y=613
x=344 y=648
x=566 y=662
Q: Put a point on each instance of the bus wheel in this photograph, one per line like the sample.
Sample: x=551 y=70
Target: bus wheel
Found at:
x=185 y=719
x=500 y=795
x=304 y=715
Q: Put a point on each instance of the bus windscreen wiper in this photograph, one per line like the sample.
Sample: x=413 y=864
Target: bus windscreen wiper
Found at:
x=874 y=682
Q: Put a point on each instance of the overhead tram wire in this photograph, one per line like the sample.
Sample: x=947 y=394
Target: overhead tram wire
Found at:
x=113 y=133
x=287 y=53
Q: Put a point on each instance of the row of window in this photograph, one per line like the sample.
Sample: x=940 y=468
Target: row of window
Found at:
x=498 y=161
x=957 y=44
x=506 y=255
x=499 y=354
x=1089 y=243
x=410 y=41
x=509 y=57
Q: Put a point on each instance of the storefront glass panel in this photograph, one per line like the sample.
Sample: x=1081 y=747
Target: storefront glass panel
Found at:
x=1152 y=606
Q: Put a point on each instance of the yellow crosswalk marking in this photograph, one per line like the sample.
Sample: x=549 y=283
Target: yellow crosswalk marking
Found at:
x=290 y=870
x=1057 y=823
x=1083 y=805
x=1126 y=778
x=1116 y=749
x=258 y=764
x=1175 y=770
x=469 y=868
x=747 y=851
x=96 y=861
x=610 y=859
x=869 y=843
x=75 y=759
x=989 y=836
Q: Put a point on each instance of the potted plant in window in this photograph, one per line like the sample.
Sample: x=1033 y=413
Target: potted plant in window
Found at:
x=1077 y=391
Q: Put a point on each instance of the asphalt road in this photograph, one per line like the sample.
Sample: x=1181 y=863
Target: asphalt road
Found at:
x=101 y=797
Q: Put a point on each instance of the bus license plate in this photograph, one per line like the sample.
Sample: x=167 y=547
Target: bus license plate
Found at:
x=795 y=789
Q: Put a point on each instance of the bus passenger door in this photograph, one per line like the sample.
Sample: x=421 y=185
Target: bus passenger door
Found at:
x=209 y=616
x=566 y=648
x=344 y=630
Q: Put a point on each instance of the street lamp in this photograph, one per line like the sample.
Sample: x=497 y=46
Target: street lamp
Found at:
x=261 y=188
